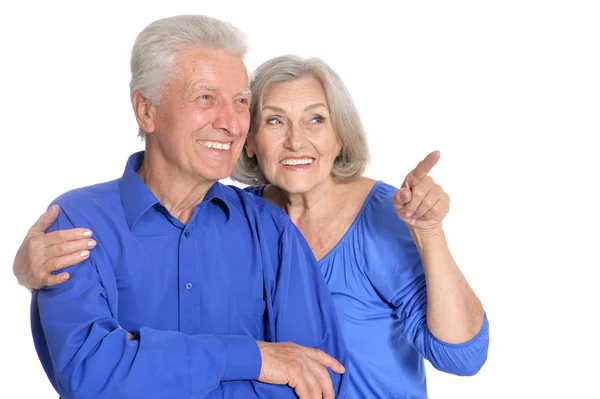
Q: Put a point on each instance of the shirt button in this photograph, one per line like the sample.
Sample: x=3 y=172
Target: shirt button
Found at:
x=187 y=233
x=188 y=286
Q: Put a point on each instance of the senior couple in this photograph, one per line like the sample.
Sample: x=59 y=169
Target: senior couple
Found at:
x=314 y=281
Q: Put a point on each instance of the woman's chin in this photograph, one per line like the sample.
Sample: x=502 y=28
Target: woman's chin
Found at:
x=297 y=186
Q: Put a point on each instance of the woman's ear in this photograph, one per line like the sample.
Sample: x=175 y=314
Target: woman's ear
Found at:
x=145 y=112
x=249 y=147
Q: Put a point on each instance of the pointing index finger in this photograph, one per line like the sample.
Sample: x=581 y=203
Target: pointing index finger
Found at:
x=423 y=168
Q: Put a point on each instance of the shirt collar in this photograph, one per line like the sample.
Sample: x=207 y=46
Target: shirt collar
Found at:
x=137 y=198
x=217 y=194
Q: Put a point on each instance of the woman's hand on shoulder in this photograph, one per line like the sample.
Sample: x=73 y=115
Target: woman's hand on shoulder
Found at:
x=42 y=253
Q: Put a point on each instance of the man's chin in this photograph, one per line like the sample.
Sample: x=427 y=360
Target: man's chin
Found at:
x=216 y=175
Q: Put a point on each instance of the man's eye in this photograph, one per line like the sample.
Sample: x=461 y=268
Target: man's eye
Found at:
x=243 y=101
x=205 y=97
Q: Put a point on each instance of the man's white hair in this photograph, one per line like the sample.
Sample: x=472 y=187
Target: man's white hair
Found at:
x=155 y=51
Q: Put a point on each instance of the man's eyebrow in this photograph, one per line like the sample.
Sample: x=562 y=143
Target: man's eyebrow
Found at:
x=204 y=86
x=201 y=86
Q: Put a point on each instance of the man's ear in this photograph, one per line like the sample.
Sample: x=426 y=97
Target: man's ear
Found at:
x=145 y=112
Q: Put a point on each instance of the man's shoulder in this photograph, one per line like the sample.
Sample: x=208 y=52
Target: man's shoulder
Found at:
x=84 y=196
x=248 y=203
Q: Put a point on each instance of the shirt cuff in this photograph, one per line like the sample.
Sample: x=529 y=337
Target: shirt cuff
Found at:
x=244 y=360
x=482 y=334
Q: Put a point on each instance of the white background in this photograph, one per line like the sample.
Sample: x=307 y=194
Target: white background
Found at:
x=509 y=92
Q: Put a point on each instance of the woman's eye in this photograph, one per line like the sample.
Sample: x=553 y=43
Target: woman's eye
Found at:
x=317 y=119
x=273 y=121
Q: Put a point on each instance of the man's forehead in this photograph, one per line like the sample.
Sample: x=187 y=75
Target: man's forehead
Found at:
x=210 y=58
x=215 y=69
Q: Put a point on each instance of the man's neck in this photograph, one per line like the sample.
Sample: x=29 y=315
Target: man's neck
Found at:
x=178 y=193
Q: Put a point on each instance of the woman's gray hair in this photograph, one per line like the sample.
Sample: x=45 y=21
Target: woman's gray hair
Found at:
x=155 y=51
x=354 y=156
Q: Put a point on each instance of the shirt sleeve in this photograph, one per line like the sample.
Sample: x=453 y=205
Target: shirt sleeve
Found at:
x=302 y=307
x=393 y=265
x=87 y=355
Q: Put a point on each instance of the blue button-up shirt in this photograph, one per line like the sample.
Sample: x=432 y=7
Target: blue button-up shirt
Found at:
x=196 y=297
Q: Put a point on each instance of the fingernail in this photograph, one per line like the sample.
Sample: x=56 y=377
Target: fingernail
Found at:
x=52 y=208
x=64 y=277
x=87 y=233
x=91 y=243
x=408 y=214
x=85 y=253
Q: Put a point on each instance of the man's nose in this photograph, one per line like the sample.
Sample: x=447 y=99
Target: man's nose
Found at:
x=227 y=119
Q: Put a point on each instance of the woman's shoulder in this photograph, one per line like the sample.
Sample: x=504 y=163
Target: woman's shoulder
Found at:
x=378 y=205
x=256 y=190
x=388 y=247
x=376 y=220
x=379 y=221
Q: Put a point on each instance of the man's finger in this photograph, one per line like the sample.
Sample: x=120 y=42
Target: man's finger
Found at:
x=327 y=361
x=129 y=335
x=326 y=385
x=302 y=390
x=44 y=221
x=423 y=168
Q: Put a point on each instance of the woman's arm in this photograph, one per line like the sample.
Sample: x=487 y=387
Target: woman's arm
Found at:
x=42 y=253
x=454 y=313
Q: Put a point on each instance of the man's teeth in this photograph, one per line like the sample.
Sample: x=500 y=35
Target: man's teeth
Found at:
x=303 y=161
x=215 y=145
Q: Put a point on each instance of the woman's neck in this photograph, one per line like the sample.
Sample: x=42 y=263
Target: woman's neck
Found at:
x=323 y=215
x=319 y=202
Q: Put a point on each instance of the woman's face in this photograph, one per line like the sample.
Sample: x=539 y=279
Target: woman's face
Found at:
x=295 y=145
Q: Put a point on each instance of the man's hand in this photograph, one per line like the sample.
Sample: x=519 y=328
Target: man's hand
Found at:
x=300 y=367
x=129 y=335
x=41 y=254
x=420 y=202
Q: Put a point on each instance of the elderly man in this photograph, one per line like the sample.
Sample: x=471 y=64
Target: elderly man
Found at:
x=192 y=282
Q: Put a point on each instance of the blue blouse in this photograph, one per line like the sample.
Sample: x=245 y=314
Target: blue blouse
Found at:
x=376 y=278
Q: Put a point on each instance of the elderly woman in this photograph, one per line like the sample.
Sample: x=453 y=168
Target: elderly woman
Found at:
x=399 y=294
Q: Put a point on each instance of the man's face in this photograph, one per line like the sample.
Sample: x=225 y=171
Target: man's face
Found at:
x=202 y=122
